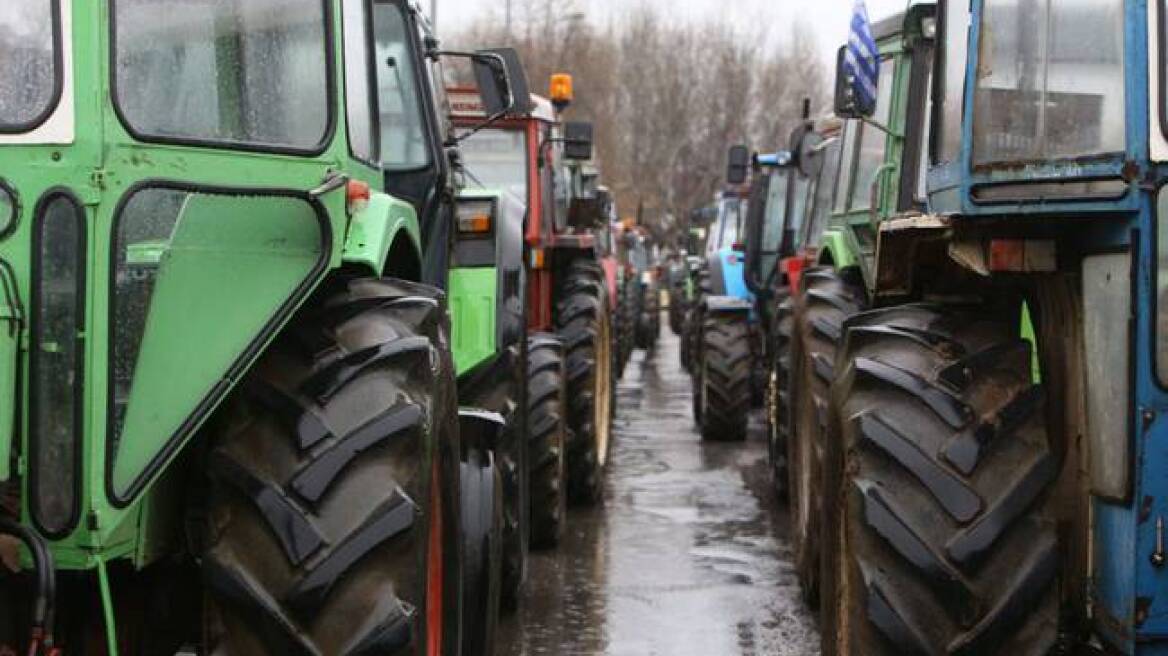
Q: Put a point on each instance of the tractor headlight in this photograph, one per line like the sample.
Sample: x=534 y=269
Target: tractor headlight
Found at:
x=9 y=208
x=476 y=217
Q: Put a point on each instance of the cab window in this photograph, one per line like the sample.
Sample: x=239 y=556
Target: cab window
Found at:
x=30 y=82
x=247 y=73
x=359 y=102
x=1050 y=83
x=846 y=160
x=873 y=141
x=403 y=137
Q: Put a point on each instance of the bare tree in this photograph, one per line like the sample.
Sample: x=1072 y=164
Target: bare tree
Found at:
x=667 y=100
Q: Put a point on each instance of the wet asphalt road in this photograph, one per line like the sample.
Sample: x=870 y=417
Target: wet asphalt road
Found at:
x=689 y=554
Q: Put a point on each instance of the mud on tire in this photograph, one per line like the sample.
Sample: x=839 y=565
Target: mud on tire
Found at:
x=939 y=467
x=583 y=323
x=826 y=300
x=547 y=427
x=322 y=489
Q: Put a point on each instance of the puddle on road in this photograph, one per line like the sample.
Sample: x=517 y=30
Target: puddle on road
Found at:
x=686 y=558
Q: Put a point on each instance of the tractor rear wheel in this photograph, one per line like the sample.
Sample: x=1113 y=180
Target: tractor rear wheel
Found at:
x=826 y=300
x=676 y=304
x=584 y=324
x=778 y=406
x=625 y=327
x=483 y=551
x=511 y=461
x=939 y=465
x=332 y=522
x=649 y=323
x=691 y=341
x=547 y=427
x=724 y=389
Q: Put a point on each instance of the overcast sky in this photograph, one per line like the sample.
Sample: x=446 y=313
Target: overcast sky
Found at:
x=827 y=19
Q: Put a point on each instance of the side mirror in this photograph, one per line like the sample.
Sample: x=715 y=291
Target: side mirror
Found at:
x=578 y=141
x=852 y=99
x=738 y=165
x=502 y=82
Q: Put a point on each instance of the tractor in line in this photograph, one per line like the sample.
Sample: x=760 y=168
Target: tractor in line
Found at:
x=262 y=369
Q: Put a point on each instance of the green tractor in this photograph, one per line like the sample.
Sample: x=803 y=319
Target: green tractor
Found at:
x=231 y=417
x=790 y=202
x=879 y=175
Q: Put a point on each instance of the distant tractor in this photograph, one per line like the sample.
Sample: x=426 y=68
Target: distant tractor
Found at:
x=229 y=412
x=567 y=291
x=645 y=292
x=791 y=194
x=726 y=348
x=879 y=175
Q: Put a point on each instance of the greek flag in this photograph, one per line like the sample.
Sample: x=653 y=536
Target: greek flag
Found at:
x=862 y=60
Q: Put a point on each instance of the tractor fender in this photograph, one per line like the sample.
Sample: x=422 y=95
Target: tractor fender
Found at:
x=726 y=304
x=374 y=229
x=835 y=250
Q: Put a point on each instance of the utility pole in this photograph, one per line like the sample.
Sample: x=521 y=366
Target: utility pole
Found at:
x=508 y=21
x=434 y=15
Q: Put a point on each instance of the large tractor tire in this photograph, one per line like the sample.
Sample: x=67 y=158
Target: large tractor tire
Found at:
x=826 y=300
x=676 y=305
x=625 y=322
x=691 y=341
x=483 y=551
x=332 y=519
x=511 y=461
x=547 y=429
x=724 y=379
x=939 y=470
x=649 y=322
x=778 y=406
x=584 y=324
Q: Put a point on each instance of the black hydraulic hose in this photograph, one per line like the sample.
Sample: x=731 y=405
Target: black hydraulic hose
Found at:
x=46 y=573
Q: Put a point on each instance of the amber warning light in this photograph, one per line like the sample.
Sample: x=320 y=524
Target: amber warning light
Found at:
x=561 y=90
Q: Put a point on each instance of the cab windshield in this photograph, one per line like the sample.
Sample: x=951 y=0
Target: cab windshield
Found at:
x=776 y=214
x=730 y=215
x=1050 y=82
x=497 y=158
x=29 y=80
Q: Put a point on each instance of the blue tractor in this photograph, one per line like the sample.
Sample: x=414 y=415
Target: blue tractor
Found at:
x=727 y=364
x=995 y=454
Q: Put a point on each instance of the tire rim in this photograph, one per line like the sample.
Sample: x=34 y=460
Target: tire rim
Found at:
x=601 y=386
x=435 y=568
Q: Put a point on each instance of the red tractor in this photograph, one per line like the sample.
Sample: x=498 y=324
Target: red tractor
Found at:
x=541 y=160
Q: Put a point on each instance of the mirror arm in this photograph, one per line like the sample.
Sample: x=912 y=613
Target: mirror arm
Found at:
x=459 y=138
x=883 y=128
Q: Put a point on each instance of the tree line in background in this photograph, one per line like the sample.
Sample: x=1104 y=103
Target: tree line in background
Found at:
x=667 y=99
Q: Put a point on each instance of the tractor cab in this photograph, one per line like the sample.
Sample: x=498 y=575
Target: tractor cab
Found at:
x=790 y=202
x=724 y=248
